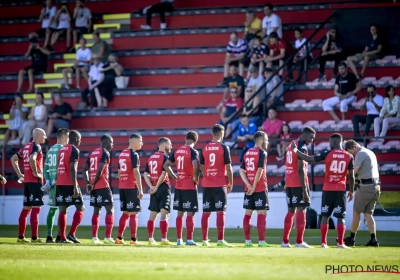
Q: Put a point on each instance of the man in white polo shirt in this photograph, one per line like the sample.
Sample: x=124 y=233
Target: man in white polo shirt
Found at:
x=48 y=19
x=95 y=78
x=271 y=23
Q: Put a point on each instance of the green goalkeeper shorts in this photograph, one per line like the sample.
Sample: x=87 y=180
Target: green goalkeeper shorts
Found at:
x=52 y=197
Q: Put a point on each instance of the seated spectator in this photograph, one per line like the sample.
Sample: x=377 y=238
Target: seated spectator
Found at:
x=274 y=87
x=81 y=66
x=304 y=49
x=270 y=23
x=39 y=58
x=260 y=52
x=389 y=115
x=48 y=19
x=83 y=23
x=100 y=47
x=272 y=126
x=111 y=70
x=237 y=53
x=346 y=87
x=233 y=80
x=373 y=103
x=61 y=115
x=252 y=110
x=372 y=52
x=256 y=80
x=95 y=78
x=18 y=114
x=64 y=24
x=246 y=131
x=37 y=119
x=232 y=105
x=284 y=143
x=166 y=6
x=252 y=27
x=279 y=53
x=332 y=50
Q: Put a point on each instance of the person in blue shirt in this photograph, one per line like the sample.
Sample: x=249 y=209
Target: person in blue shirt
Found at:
x=246 y=130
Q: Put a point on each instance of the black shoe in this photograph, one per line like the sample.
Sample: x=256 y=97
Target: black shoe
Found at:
x=372 y=243
x=58 y=239
x=66 y=241
x=348 y=241
x=73 y=238
x=49 y=239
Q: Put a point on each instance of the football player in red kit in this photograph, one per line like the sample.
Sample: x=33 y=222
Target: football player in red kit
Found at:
x=33 y=181
x=297 y=190
x=99 y=188
x=215 y=163
x=185 y=199
x=338 y=163
x=67 y=190
x=253 y=174
x=160 y=190
x=130 y=188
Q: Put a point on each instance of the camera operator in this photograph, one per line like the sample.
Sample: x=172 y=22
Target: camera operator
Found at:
x=373 y=103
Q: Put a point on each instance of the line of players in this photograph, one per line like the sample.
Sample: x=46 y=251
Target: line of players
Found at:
x=214 y=162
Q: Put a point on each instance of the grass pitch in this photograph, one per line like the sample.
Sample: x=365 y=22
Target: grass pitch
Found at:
x=85 y=261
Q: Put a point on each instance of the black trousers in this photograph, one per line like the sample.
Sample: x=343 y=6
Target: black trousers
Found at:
x=337 y=57
x=85 y=94
x=159 y=8
x=368 y=120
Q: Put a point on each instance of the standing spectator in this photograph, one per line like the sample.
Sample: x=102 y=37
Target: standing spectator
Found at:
x=304 y=49
x=373 y=103
x=234 y=80
x=284 y=143
x=252 y=27
x=83 y=23
x=247 y=129
x=260 y=53
x=111 y=70
x=271 y=23
x=237 y=53
x=18 y=114
x=61 y=116
x=64 y=25
x=346 y=87
x=390 y=113
x=274 y=87
x=100 y=47
x=332 y=50
x=159 y=8
x=256 y=80
x=95 y=78
x=48 y=19
x=37 y=119
x=272 y=126
x=372 y=52
x=232 y=105
x=38 y=55
x=81 y=66
x=279 y=53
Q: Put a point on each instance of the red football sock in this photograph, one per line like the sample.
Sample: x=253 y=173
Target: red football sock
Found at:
x=22 y=222
x=261 y=226
x=62 y=224
x=109 y=225
x=133 y=225
x=179 y=227
x=287 y=227
x=95 y=225
x=341 y=229
x=150 y=228
x=164 y=228
x=76 y=221
x=300 y=226
x=324 y=233
x=246 y=226
x=221 y=225
x=204 y=225
x=189 y=227
x=123 y=221
x=35 y=221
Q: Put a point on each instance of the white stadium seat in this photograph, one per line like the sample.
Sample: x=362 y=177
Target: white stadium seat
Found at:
x=329 y=83
x=388 y=167
x=368 y=80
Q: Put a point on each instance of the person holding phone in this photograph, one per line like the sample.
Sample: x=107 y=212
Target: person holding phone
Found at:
x=83 y=23
x=18 y=114
x=48 y=19
x=64 y=24
x=332 y=50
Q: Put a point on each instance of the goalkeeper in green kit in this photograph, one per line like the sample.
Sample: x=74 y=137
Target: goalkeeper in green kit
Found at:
x=50 y=174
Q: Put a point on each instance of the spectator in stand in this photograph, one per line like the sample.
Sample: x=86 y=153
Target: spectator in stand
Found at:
x=279 y=53
x=232 y=105
x=37 y=119
x=234 y=80
x=272 y=126
x=270 y=23
x=389 y=115
x=256 y=80
x=260 y=53
x=246 y=130
x=64 y=24
x=38 y=55
x=95 y=78
x=3 y=180
x=100 y=47
x=372 y=51
x=332 y=50
x=237 y=53
x=111 y=70
x=304 y=49
x=346 y=87
x=48 y=19
x=274 y=87
x=159 y=8
x=83 y=23
x=81 y=66
x=284 y=143
x=61 y=116
x=373 y=103
x=18 y=114
x=252 y=27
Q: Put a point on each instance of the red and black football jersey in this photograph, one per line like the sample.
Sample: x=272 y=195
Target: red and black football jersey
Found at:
x=254 y=159
x=214 y=156
x=67 y=156
x=25 y=153
x=127 y=161
x=292 y=165
x=98 y=156
x=183 y=158
x=155 y=167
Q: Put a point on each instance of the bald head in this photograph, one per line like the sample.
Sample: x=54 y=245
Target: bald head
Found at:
x=39 y=136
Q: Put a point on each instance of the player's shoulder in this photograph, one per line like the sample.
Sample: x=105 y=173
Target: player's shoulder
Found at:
x=193 y=150
x=75 y=149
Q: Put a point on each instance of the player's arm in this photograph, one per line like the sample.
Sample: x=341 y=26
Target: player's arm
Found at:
x=168 y=170
x=243 y=175
x=160 y=180
x=301 y=155
x=14 y=161
x=352 y=179
x=46 y=168
x=32 y=160
x=146 y=177
x=196 y=167
x=73 y=170
x=201 y=158
x=85 y=170
x=261 y=161
x=228 y=165
x=136 y=173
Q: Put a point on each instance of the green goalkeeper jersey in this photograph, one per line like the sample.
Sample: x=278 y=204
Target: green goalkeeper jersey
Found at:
x=51 y=163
